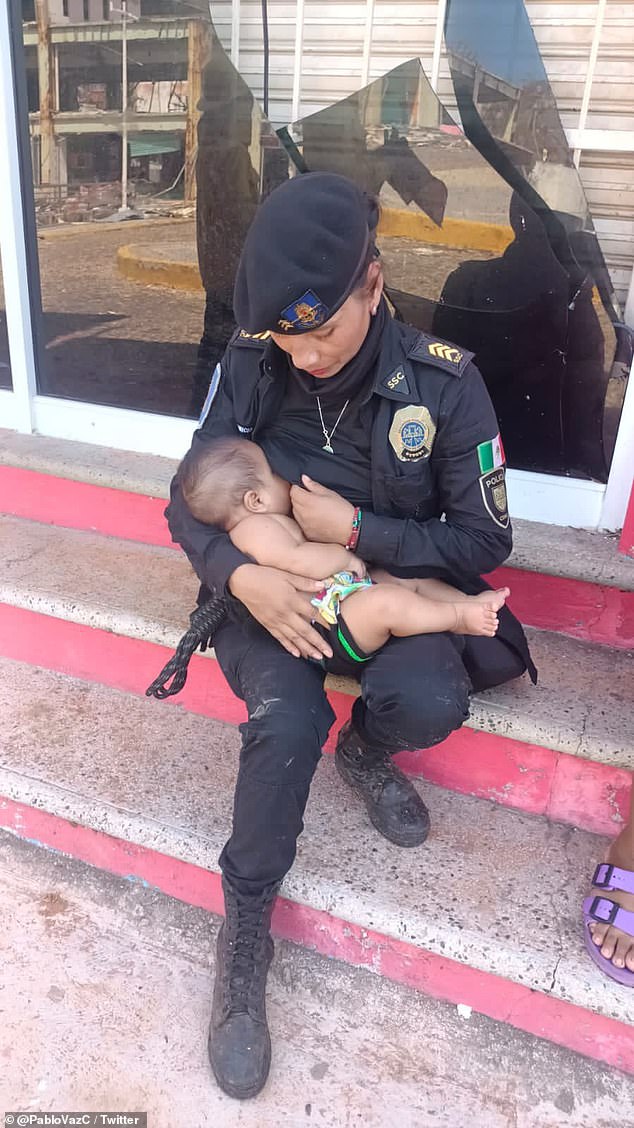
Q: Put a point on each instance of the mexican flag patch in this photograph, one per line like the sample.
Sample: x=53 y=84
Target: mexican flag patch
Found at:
x=491 y=455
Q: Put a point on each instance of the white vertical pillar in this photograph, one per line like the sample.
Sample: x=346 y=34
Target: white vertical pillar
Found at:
x=13 y=243
x=440 y=25
x=297 y=61
x=124 y=106
x=235 y=33
x=592 y=62
x=367 y=42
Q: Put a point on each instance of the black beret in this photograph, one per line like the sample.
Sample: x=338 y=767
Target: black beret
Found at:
x=303 y=254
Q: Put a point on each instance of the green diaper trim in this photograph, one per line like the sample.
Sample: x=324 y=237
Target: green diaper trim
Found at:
x=348 y=649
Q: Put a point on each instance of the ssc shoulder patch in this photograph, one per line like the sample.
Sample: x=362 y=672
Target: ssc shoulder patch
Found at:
x=211 y=394
x=397 y=382
x=412 y=433
x=493 y=489
x=442 y=354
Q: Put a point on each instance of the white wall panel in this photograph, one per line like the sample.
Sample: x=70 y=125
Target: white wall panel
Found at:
x=332 y=60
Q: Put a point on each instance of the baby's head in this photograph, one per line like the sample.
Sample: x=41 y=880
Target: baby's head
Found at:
x=228 y=479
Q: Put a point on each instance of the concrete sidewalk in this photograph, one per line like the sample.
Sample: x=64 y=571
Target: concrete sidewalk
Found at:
x=105 y=994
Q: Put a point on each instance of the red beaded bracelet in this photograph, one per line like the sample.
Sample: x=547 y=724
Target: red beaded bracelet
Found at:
x=353 y=539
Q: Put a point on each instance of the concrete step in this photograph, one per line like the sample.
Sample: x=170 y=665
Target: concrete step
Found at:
x=487 y=913
x=107 y=1006
x=588 y=610
x=572 y=554
x=563 y=747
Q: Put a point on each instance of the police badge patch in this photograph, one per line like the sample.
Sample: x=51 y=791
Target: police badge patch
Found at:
x=412 y=433
x=493 y=488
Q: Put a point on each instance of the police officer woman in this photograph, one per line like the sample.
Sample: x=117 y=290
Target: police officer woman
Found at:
x=383 y=430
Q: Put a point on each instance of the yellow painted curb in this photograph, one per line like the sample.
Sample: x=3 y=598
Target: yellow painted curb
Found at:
x=457 y=233
x=154 y=271
x=139 y=264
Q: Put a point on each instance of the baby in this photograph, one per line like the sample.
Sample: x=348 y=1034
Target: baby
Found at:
x=229 y=483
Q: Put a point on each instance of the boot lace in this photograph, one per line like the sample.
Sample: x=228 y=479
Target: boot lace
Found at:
x=245 y=948
x=374 y=768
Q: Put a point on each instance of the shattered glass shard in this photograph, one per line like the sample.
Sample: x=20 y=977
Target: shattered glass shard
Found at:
x=508 y=111
x=473 y=254
x=239 y=161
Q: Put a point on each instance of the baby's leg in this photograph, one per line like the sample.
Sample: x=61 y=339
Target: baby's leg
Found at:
x=435 y=589
x=376 y=613
x=438 y=589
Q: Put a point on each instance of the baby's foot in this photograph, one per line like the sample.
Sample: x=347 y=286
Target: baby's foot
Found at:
x=477 y=614
x=494 y=599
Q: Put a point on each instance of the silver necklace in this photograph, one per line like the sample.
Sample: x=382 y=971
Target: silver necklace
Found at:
x=328 y=434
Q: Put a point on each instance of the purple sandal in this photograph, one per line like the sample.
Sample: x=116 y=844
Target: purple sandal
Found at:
x=605 y=911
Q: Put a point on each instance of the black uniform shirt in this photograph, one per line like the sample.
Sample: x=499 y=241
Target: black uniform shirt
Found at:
x=294 y=441
x=433 y=440
x=420 y=383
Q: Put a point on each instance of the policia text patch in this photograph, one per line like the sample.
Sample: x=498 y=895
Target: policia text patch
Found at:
x=493 y=487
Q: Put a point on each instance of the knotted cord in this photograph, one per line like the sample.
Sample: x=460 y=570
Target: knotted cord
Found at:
x=203 y=624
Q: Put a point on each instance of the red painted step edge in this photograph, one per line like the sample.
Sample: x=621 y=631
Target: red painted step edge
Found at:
x=585 y=611
x=524 y=776
x=82 y=505
x=604 y=1039
x=582 y=610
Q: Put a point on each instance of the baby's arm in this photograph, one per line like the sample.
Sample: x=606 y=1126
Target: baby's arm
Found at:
x=275 y=542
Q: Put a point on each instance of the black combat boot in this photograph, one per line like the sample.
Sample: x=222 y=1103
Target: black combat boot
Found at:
x=393 y=803
x=239 y=1040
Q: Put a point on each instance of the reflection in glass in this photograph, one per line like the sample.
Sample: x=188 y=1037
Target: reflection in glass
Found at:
x=239 y=161
x=151 y=155
x=116 y=237
x=508 y=111
x=5 y=363
x=469 y=259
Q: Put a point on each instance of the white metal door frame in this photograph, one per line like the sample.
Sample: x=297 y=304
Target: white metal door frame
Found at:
x=17 y=406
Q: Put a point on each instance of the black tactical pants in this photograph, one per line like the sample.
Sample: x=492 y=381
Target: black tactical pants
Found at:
x=413 y=694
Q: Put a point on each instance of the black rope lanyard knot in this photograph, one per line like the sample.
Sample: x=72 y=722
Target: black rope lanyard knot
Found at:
x=203 y=624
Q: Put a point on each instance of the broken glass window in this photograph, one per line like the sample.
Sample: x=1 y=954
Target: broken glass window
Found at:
x=470 y=257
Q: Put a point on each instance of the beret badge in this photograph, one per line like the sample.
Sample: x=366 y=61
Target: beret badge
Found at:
x=307 y=312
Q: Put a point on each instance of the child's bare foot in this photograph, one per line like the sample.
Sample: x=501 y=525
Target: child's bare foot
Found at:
x=494 y=599
x=477 y=614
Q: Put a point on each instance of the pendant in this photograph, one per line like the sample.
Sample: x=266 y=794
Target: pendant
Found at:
x=328 y=447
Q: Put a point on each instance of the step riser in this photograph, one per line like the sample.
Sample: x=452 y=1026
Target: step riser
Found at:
x=590 y=612
x=603 y=1039
x=524 y=776
x=81 y=505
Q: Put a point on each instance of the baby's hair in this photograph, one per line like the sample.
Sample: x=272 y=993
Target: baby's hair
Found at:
x=214 y=477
